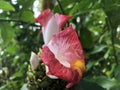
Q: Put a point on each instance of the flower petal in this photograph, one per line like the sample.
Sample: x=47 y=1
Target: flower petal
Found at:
x=57 y=69
x=34 y=60
x=49 y=75
x=50 y=29
x=66 y=47
x=62 y=19
x=44 y=17
x=51 y=24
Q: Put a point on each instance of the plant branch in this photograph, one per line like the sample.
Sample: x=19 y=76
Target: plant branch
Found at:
x=60 y=6
x=15 y=20
x=112 y=39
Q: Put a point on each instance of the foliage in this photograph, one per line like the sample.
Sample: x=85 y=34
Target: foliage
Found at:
x=97 y=23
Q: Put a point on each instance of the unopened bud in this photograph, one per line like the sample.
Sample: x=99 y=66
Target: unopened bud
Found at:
x=34 y=60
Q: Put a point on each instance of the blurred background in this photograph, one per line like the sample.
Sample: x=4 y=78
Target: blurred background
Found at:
x=97 y=23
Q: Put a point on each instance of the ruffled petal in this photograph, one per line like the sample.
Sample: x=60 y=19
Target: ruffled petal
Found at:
x=57 y=69
x=66 y=47
x=61 y=19
x=44 y=17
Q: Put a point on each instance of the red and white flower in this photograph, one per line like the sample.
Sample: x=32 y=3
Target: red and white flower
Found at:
x=62 y=52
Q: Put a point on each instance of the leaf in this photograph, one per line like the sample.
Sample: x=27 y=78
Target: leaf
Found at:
x=27 y=16
x=90 y=65
x=26 y=4
x=85 y=84
x=98 y=49
x=105 y=82
x=6 y=6
x=112 y=9
x=85 y=38
x=116 y=87
x=66 y=4
x=84 y=6
x=16 y=75
x=7 y=32
x=117 y=73
x=11 y=49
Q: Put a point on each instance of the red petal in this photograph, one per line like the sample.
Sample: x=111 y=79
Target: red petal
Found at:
x=62 y=19
x=57 y=69
x=66 y=46
x=44 y=17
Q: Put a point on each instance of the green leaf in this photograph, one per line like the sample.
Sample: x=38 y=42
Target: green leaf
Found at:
x=112 y=9
x=87 y=85
x=16 y=75
x=116 y=87
x=84 y=6
x=105 y=82
x=86 y=38
x=98 y=49
x=27 y=16
x=90 y=65
x=11 y=49
x=7 y=32
x=66 y=4
x=6 y=6
x=117 y=73
x=26 y=4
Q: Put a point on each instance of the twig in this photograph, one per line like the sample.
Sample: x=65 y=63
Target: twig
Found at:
x=60 y=6
x=9 y=20
x=15 y=20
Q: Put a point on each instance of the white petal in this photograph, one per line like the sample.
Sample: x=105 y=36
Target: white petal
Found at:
x=50 y=29
x=34 y=60
x=50 y=76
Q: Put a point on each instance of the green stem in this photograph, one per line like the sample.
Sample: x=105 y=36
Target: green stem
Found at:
x=112 y=40
x=60 y=6
x=15 y=20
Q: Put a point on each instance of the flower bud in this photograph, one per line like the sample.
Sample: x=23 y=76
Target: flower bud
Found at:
x=34 y=60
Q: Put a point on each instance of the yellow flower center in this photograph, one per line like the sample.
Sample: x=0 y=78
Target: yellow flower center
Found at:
x=79 y=65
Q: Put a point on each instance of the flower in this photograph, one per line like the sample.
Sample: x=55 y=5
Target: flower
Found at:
x=62 y=53
x=34 y=60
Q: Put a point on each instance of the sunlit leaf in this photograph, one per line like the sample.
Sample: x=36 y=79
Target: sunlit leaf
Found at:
x=27 y=16
x=4 y=5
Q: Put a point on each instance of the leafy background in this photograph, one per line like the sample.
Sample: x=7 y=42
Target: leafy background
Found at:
x=97 y=23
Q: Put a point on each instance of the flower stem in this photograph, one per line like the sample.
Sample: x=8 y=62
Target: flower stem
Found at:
x=60 y=6
x=112 y=39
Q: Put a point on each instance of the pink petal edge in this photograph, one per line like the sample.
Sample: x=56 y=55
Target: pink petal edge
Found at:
x=62 y=19
x=44 y=17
